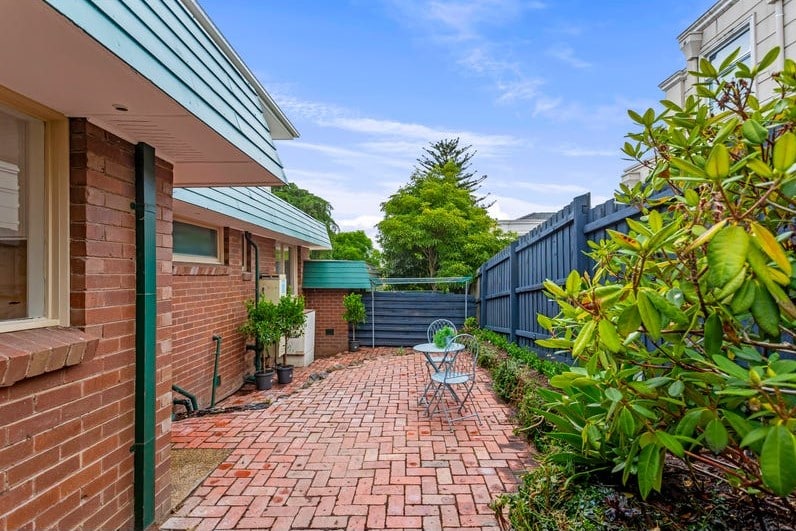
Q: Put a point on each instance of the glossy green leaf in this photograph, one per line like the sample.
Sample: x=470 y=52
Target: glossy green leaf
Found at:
x=769 y=244
x=768 y=59
x=778 y=461
x=718 y=163
x=584 y=339
x=730 y=367
x=688 y=169
x=650 y=469
x=627 y=424
x=629 y=320
x=765 y=311
x=613 y=394
x=727 y=254
x=670 y=442
x=608 y=336
x=754 y=132
x=650 y=316
x=743 y=298
x=716 y=435
x=572 y=284
x=676 y=388
x=760 y=168
x=732 y=286
x=706 y=236
x=714 y=335
x=785 y=151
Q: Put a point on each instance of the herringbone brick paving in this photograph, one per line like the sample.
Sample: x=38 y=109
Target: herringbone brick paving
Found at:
x=352 y=451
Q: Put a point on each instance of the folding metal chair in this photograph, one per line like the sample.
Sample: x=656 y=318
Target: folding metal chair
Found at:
x=433 y=361
x=457 y=370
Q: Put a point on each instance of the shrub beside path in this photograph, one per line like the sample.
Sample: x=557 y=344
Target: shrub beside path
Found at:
x=352 y=451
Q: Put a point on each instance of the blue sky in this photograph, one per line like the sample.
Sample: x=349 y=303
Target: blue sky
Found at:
x=539 y=88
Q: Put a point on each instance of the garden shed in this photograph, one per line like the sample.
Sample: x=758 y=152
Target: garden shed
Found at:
x=324 y=285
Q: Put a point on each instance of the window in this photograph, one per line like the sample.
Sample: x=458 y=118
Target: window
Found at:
x=285 y=266
x=33 y=215
x=196 y=243
x=740 y=40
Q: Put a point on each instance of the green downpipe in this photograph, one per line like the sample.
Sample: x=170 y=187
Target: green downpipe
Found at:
x=257 y=347
x=145 y=337
x=217 y=339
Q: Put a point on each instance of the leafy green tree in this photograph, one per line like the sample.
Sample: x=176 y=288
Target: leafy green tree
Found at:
x=354 y=245
x=439 y=153
x=683 y=335
x=309 y=203
x=433 y=227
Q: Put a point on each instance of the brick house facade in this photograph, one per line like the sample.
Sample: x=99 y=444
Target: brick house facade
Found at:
x=81 y=98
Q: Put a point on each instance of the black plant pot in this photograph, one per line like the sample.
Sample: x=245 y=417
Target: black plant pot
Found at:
x=353 y=345
x=284 y=374
x=264 y=380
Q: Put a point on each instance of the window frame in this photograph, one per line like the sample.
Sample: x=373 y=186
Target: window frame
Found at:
x=747 y=26
x=198 y=258
x=52 y=226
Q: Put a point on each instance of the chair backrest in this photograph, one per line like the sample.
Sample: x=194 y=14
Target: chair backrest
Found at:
x=462 y=355
x=438 y=325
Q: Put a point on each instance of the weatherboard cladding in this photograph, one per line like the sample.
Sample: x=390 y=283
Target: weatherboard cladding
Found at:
x=260 y=207
x=336 y=274
x=163 y=42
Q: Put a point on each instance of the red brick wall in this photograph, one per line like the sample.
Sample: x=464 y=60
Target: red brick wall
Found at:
x=65 y=457
x=209 y=300
x=328 y=305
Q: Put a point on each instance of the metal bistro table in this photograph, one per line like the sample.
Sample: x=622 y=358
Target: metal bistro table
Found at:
x=428 y=350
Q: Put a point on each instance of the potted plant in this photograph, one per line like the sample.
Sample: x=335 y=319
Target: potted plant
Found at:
x=354 y=314
x=290 y=322
x=444 y=336
x=262 y=326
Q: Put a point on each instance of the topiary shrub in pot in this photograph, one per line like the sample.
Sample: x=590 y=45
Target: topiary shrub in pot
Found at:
x=262 y=326
x=354 y=314
x=290 y=322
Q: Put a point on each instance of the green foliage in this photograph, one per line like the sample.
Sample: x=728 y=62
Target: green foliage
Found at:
x=443 y=336
x=678 y=334
x=354 y=245
x=262 y=325
x=525 y=355
x=441 y=152
x=354 y=312
x=470 y=324
x=432 y=227
x=309 y=203
x=290 y=319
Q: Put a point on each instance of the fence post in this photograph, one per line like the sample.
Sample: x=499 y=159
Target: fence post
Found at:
x=514 y=278
x=580 y=217
x=482 y=289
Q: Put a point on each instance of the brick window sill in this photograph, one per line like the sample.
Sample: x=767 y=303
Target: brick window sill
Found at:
x=28 y=353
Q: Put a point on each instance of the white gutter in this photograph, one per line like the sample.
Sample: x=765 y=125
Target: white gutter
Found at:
x=213 y=32
x=779 y=24
x=707 y=17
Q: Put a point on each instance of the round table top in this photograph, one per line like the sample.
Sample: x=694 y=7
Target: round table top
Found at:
x=432 y=347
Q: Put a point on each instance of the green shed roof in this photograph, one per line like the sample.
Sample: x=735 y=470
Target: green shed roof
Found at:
x=336 y=274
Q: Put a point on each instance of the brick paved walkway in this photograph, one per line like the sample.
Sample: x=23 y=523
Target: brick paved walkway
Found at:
x=352 y=451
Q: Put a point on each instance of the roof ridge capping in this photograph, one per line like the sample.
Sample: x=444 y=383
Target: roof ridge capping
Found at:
x=279 y=124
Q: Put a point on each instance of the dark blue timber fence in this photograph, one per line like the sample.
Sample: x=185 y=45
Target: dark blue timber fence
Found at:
x=510 y=284
x=400 y=318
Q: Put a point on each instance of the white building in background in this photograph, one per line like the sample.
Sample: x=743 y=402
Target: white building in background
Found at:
x=524 y=224
x=754 y=26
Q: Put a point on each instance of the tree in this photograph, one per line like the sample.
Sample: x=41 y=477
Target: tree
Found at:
x=433 y=227
x=354 y=245
x=309 y=203
x=447 y=150
x=684 y=332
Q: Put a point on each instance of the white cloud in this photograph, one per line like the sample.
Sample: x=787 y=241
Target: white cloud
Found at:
x=575 y=151
x=519 y=90
x=566 y=55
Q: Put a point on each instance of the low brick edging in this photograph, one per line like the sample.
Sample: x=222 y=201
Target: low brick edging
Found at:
x=28 y=353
